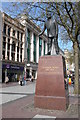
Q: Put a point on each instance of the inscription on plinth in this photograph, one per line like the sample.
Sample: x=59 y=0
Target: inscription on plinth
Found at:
x=50 y=90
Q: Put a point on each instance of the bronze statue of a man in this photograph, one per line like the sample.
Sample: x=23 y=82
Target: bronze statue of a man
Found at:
x=52 y=33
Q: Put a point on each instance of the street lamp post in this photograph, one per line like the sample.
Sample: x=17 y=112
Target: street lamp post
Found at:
x=25 y=62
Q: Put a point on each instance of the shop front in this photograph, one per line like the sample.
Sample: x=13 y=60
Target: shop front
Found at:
x=31 y=70
x=12 y=71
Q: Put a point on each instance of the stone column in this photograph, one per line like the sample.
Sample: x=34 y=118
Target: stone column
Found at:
x=6 y=48
x=37 y=49
x=11 y=34
x=16 y=34
x=19 y=36
x=6 y=30
x=10 y=57
x=16 y=46
x=24 y=46
x=19 y=52
x=16 y=52
x=31 y=53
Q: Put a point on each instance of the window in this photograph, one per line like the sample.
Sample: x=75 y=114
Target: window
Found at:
x=4 y=42
x=4 y=45
x=40 y=46
x=4 y=29
x=8 y=55
x=13 y=56
x=4 y=39
x=21 y=57
x=34 y=48
x=18 y=34
x=8 y=44
x=17 y=57
x=13 y=32
x=21 y=50
x=18 y=48
x=21 y=45
x=8 y=40
x=13 y=46
x=3 y=54
x=9 y=28
x=13 y=51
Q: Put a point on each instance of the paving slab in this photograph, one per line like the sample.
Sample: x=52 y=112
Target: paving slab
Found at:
x=9 y=97
x=44 y=116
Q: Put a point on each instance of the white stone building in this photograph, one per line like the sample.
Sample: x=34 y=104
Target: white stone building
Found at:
x=35 y=46
x=13 y=40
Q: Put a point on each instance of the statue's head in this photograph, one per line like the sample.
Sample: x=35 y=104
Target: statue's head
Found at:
x=49 y=15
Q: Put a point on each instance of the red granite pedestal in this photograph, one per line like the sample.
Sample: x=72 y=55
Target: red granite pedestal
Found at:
x=50 y=89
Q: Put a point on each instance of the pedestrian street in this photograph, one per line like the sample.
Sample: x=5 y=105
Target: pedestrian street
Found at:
x=8 y=94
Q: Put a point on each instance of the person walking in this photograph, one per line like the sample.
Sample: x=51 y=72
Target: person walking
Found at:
x=69 y=80
x=32 y=78
x=20 y=80
x=24 y=80
x=6 y=80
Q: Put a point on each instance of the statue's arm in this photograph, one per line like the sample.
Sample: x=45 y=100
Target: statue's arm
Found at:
x=43 y=30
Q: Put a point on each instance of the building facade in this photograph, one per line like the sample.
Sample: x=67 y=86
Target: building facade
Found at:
x=69 y=65
x=35 y=46
x=13 y=39
x=21 y=47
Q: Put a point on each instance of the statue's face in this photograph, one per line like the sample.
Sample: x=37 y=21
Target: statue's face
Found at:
x=48 y=15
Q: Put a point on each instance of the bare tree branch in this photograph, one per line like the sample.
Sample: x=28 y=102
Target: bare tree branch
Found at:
x=69 y=15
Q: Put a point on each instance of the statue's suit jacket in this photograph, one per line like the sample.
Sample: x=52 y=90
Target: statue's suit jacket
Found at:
x=52 y=28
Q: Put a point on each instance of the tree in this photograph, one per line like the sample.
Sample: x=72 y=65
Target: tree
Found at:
x=71 y=58
x=70 y=23
x=66 y=14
